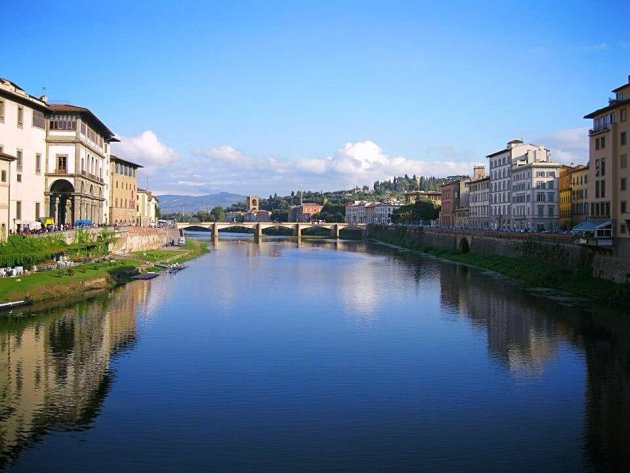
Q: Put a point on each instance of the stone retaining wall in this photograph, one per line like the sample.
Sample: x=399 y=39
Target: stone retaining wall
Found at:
x=556 y=250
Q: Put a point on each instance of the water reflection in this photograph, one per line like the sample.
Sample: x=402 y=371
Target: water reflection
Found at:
x=541 y=374
x=54 y=369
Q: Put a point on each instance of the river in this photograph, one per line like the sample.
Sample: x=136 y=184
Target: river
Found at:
x=316 y=356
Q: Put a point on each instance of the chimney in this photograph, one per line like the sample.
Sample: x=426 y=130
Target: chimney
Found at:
x=44 y=98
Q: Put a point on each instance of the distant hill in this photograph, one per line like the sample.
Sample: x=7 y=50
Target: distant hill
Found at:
x=170 y=203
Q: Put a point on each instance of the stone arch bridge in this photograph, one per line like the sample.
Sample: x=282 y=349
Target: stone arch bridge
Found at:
x=258 y=227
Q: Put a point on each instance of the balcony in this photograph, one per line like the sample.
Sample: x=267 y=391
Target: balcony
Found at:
x=599 y=129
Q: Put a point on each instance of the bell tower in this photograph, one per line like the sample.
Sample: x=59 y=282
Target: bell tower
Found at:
x=253 y=203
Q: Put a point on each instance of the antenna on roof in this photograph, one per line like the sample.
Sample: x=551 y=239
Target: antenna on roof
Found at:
x=44 y=97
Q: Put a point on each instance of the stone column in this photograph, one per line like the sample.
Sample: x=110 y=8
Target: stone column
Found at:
x=298 y=231
x=334 y=231
x=215 y=232
x=258 y=233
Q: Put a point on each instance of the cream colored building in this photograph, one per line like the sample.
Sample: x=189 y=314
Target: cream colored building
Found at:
x=5 y=194
x=123 y=191
x=609 y=173
x=77 y=176
x=479 y=202
x=535 y=194
x=147 y=205
x=23 y=135
x=501 y=164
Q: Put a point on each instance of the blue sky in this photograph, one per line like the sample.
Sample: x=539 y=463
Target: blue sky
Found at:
x=269 y=96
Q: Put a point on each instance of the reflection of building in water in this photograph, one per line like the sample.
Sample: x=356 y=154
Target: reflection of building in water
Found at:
x=607 y=348
x=520 y=331
x=524 y=332
x=54 y=370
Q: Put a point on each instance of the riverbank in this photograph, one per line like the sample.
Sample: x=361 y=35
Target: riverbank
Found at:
x=533 y=274
x=68 y=285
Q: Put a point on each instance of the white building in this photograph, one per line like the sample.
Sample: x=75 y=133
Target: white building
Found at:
x=23 y=136
x=535 y=196
x=147 y=205
x=501 y=164
x=380 y=213
x=77 y=167
x=355 y=212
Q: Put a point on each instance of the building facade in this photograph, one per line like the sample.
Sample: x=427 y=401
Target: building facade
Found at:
x=434 y=196
x=501 y=163
x=23 y=136
x=253 y=203
x=355 y=212
x=77 y=165
x=479 y=202
x=609 y=174
x=303 y=213
x=535 y=195
x=579 y=194
x=454 y=198
x=123 y=191
x=5 y=194
x=147 y=208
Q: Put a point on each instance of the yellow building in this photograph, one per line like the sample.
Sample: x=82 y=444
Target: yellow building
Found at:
x=5 y=194
x=564 y=221
x=609 y=174
x=123 y=188
x=579 y=194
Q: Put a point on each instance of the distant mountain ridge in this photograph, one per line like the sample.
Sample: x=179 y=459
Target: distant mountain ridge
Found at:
x=170 y=203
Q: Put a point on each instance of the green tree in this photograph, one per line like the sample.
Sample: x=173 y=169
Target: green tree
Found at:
x=218 y=214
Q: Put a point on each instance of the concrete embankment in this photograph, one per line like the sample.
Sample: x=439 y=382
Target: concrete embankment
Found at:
x=557 y=251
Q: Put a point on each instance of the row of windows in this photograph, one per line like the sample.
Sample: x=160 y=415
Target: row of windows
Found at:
x=18 y=210
x=39 y=120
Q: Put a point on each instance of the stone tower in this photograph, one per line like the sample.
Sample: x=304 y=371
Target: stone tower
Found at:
x=253 y=203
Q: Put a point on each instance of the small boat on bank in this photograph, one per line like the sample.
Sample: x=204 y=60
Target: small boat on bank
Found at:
x=11 y=305
x=147 y=275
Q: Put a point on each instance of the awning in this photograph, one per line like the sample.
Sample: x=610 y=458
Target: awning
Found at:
x=592 y=225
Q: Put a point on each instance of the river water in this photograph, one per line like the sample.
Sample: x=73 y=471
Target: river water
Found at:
x=318 y=356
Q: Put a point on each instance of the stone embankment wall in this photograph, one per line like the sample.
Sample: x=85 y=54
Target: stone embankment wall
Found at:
x=139 y=239
x=556 y=250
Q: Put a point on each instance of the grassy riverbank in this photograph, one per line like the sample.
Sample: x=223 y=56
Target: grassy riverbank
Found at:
x=532 y=274
x=62 y=286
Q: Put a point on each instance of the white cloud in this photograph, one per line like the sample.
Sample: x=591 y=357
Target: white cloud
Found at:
x=145 y=149
x=353 y=164
x=567 y=146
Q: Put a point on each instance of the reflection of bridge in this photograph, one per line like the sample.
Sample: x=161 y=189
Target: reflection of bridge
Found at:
x=258 y=227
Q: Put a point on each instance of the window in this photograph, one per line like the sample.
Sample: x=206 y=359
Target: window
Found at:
x=38 y=119
x=602 y=188
x=63 y=122
x=18 y=162
x=603 y=166
x=622 y=228
x=624 y=207
x=623 y=138
x=20 y=117
x=37 y=210
x=602 y=142
x=19 y=177
x=622 y=115
x=550 y=210
x=1 y=111
x=623 y=161
x=62 y=164
x=623 y=183
x=3 y=177
x=38 y=163
x=18 y=210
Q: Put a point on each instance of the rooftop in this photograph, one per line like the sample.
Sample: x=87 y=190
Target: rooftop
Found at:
x=67 y=108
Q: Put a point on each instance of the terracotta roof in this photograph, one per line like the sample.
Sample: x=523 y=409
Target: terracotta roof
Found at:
x=67 y=108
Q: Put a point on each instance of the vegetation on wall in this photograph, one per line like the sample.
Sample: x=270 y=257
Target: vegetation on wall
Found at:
x=21 y=250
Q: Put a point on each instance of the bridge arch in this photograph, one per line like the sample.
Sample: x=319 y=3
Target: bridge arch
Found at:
x=463 y=245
